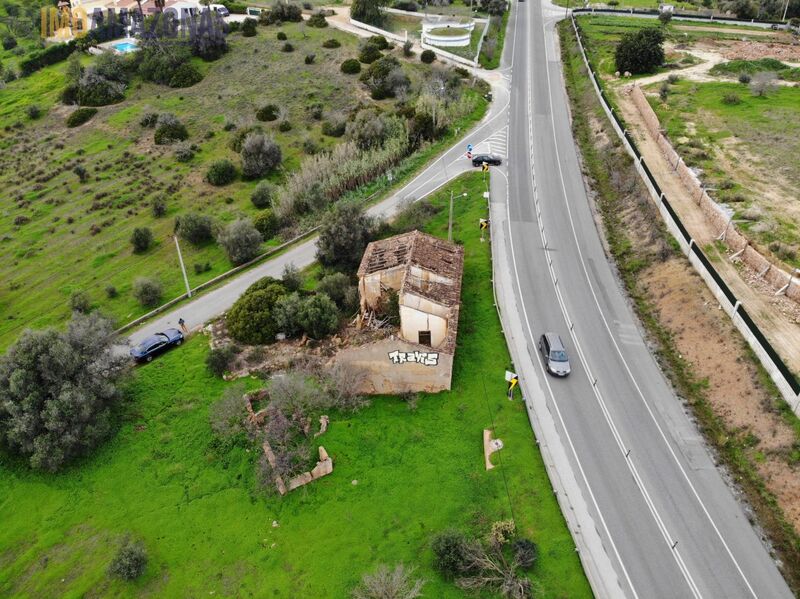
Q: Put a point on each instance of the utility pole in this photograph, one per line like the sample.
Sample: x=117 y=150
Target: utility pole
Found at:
x=183 y=268
x=785 y=10
x=450 y=218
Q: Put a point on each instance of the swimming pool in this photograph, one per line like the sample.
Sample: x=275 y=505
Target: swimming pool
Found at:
x=125 y=47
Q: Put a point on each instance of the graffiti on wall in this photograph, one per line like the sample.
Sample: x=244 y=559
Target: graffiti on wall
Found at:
x=414 y=357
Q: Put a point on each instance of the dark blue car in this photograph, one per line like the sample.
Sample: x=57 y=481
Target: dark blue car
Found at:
x=155 y=344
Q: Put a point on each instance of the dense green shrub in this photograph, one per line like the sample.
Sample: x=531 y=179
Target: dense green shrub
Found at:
x=292 y=278
x=79 y=302
x=260 y=155
x=378 y=41
x=34 y=111
x=287 y=47
x=129 y=562
x=266 y=223
x=331 y=43
x=51 y=415
x=250 y=319
x=185 y=75
x=240 y=240
x=407 y=5
x=249 y=27
x=369 y=54
x=449 y=552
x=427 y=56
x=408 y=48
x=731 y=99
x=159 y=206
x=368 y=11
x=262 y=195
x=317 y=20
x=97 y=90
x=221 y=172
x=80 y=116
x=184 y=152
x=147 y=291
x=195 y=228
x=337 y=286
x=141 y=239
x=9 y=42
x=282 y=12
x=318 y=316
x=351 y=66
x=641 y=51
x=268 y=112
x=334 y=127
x=385 y=77
x=525 y=553
x=343 y=237
x=149 y=120
x=281 y=36
x=310 y=58
x=219 y=359
x=286 y=314
x=41 y=58
x=169 y=129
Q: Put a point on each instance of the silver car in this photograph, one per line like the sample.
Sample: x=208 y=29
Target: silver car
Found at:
x=554 y=354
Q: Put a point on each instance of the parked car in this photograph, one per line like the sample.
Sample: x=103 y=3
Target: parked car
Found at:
x=156 y=344
x=220 y=9
x=555 y=354
x=491 y=159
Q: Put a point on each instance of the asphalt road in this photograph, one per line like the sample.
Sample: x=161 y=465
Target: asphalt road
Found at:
x=669 y=524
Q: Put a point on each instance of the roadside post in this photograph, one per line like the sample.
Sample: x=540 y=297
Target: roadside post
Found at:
x=483 y=223
x=183 y=268
x=513 y=380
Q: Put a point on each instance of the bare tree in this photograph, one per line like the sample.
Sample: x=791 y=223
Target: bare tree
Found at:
x=389 y=584
x=763 y=84
x=493 y=571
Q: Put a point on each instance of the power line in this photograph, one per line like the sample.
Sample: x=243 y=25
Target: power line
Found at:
x=499 y=453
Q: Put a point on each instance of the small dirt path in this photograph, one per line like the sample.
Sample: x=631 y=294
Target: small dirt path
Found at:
x=744 y=32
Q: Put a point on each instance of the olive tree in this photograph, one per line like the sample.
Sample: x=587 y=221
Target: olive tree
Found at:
x=58 y=391
x=260 y=155
x=641 y=51
x=344 y=237
x=240 y=240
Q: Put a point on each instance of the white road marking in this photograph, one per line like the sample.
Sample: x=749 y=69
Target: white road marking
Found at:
x=619 y=352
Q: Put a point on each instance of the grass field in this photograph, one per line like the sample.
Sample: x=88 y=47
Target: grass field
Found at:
x=127 y=170
x=711 y=133
x=602 y=33
x=207 y=530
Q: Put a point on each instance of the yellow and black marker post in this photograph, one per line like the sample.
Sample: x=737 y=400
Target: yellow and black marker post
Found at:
x=512 y=384
x=483 y=223
x=485 y=167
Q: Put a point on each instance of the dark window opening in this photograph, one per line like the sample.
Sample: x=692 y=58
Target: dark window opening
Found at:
x=425 y=338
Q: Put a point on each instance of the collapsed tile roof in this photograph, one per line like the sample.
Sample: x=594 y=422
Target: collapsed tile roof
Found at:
x=419 y=250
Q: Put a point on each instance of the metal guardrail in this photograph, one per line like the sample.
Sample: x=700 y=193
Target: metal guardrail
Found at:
x=780 y=374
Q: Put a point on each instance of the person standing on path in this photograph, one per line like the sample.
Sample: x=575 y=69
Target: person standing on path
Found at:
x=182 y=324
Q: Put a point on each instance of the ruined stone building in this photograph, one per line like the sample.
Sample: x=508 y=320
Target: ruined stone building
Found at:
x=425 y=272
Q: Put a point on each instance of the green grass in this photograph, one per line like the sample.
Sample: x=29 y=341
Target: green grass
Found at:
x=734 y=68
x=127 y=171
x=602 y=33
x=698 y=122
x=496 y=36
x=162 y=480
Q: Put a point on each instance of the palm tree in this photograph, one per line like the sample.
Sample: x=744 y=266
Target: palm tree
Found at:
x=160 y=5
